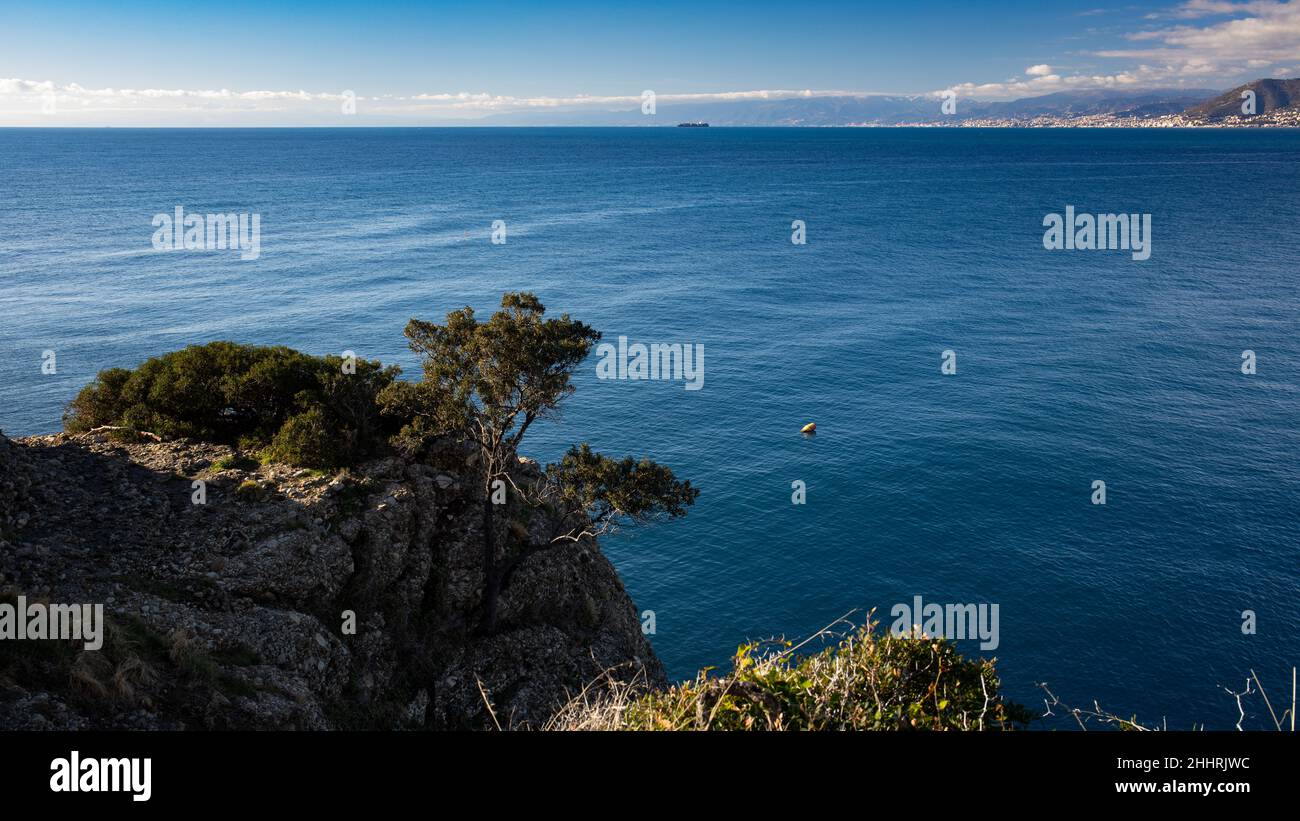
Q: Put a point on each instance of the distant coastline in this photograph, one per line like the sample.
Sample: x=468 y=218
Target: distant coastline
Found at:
x=1262 y=103
x=1037 y=123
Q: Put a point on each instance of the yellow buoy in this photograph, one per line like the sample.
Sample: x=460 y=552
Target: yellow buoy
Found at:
x=808 y=428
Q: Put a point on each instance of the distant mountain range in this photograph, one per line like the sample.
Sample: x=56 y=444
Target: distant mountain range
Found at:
x=1270 y=96
x=1103 y=101
x=1207 y=105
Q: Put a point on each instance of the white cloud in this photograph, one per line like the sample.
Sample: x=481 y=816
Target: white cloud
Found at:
x=1048 y=84
x=1261 y=33
x=1259 y=37
x=19 y=97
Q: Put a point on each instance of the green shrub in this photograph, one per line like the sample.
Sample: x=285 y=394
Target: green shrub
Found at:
x=250 y=490
x=248 y=396
x=100 y=402
x=236 y=461
x=865 y=682
x=306 y=439
x=408 y=401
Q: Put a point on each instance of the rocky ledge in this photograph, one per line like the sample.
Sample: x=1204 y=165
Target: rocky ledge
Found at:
x=232 y=612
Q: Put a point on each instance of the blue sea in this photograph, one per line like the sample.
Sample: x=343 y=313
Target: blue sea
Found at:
x=975 y=487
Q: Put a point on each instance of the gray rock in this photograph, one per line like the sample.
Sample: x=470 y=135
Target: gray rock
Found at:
x=234 y=607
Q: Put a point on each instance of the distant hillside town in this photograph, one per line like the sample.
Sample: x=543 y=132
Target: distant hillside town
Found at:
x=1264 y=102
x=1261 y=103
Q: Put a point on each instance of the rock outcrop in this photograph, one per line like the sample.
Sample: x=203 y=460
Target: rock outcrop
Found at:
x=15 y=483
x=227 y=601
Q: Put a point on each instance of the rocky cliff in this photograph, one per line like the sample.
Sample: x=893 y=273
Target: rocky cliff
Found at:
x=229 y=609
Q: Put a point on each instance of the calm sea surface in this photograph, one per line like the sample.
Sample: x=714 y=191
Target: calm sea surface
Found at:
x=1072 y=366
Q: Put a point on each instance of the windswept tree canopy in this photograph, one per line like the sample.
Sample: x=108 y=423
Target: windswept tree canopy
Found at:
x=489 y=381
x=493 y=379
x=605 y=489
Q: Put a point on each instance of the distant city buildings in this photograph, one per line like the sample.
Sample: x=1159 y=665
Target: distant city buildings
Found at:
x=1280 y=118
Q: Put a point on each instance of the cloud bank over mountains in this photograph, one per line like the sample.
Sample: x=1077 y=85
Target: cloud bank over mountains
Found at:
x=1197 y=44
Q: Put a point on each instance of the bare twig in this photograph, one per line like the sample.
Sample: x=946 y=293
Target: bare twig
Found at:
x=487 y=703
x=1266 y=701
x=822 y=632
x=1082 y=716
x=155 y=437
x=1241 y=711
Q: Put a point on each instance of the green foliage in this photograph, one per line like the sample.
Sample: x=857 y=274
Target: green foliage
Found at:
x=605 y=488
x=865 y=682
x=100 y=403
x=408 y=401
x=303 y=408
x=306 y=439
x=250 y=490
x=236 y=461
x=488 y=382
x=491 y=380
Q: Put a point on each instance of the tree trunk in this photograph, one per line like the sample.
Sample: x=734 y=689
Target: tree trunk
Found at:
x=491 y=578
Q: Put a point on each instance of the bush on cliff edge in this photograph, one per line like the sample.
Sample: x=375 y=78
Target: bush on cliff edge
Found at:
x=867 y=681
x=303 y=410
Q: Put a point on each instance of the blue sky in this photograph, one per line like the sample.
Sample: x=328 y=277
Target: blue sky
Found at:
x=430 y=61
